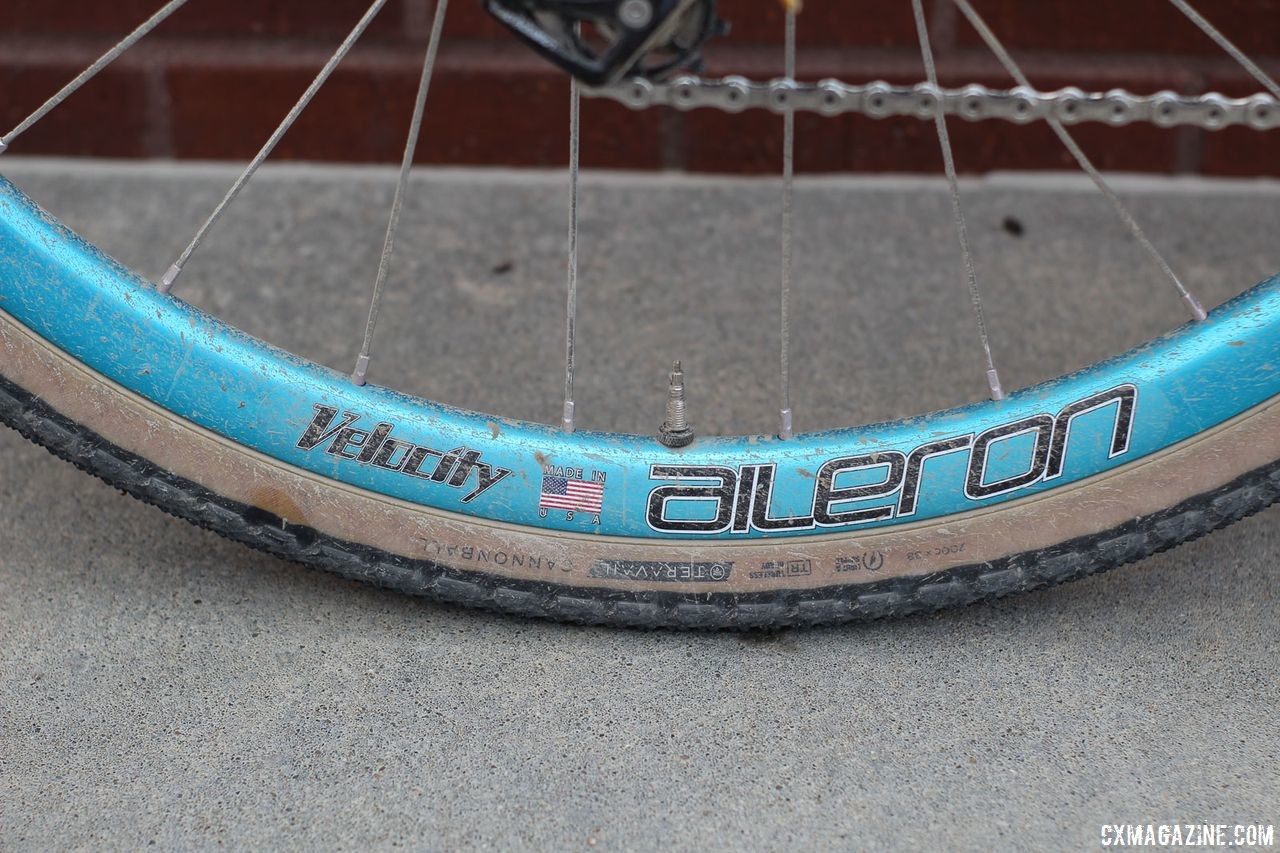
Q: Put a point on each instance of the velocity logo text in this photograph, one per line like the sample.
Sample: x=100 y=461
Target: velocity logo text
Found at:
x=376 y=447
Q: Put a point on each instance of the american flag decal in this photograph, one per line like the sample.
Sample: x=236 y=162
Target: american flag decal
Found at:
x=566 y=493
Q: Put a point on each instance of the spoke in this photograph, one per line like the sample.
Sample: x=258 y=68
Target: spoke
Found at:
x=1193 y=304
x=957 y=212
x=571 y=303
x=84 y=76
x=166 y=283
x=1226 y=44
x=788 y=228
x=361 y=371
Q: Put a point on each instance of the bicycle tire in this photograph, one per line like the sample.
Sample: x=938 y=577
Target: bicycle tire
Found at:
x=1223 y=470
x=265 y=531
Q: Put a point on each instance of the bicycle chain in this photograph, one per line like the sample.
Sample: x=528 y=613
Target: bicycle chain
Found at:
x=974 y=102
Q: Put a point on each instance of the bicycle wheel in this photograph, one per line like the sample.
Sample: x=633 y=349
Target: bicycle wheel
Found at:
x=1089 y=471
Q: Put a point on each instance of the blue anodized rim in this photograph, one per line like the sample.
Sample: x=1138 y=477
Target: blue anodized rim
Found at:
x=838 y=481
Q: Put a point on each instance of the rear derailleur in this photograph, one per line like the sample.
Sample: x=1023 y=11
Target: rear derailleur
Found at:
x=601 y=41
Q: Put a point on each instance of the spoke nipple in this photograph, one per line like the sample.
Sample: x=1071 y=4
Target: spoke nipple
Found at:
x=361 y=373
x=4 y=146
x=1197 y=310
x=675 y=430
x=566 y=419
x=993 y=382
x=170 y=276
x=784 y=425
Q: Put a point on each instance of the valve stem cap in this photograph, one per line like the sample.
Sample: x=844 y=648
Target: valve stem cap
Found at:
x=675 y=430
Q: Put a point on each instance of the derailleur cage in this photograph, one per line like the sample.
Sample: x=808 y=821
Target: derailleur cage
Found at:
x=600 y=41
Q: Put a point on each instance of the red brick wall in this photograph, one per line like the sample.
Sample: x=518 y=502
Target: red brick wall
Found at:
x=214 y=79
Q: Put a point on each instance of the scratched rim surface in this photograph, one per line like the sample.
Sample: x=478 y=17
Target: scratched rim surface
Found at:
x=786 y=513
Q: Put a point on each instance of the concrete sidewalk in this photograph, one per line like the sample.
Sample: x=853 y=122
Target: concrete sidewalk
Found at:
x=161 y=684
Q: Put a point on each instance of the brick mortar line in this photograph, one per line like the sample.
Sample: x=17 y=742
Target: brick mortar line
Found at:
x=506 y=55
x=158 y=138
x=415 y=20
x=942 y=24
